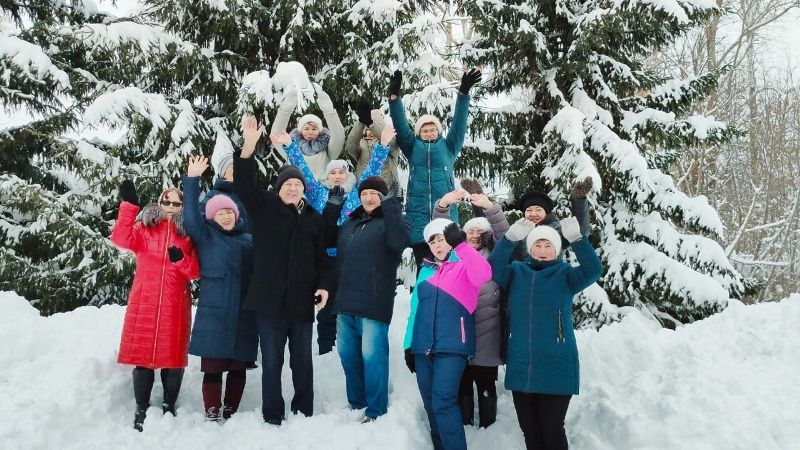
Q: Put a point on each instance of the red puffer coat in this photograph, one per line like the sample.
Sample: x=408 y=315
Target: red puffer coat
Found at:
x=158 y=316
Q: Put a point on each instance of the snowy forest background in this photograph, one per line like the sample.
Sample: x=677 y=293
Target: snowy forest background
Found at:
x=678 y=109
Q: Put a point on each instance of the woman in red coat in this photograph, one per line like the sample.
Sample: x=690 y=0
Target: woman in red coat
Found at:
x=158 y=316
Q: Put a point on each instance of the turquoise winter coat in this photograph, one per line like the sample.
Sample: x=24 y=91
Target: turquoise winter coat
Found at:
x=430 y=163
x=542 y=353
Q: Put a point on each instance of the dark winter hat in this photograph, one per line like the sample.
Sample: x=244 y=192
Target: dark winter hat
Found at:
x=287 y=172
x=375 y=183
x=536 y=198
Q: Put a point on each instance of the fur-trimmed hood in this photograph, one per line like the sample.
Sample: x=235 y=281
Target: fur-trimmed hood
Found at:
x=348 y=185
x=151 y=215
x=318 y=145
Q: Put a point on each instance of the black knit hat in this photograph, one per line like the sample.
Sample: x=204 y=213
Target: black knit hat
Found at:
x=286 y=172
x=375 y=183
x=536 y=198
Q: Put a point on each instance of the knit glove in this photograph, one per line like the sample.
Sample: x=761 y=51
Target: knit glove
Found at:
x=581 y=188
x=127 y=192
x=394 y=83
x=454 y=235
x=410 y=362
x=364 y=112
x=175 y=254
x=468 y=80
x=323 y=100
x=336 y=195
x=520 y=230
x=570 y=229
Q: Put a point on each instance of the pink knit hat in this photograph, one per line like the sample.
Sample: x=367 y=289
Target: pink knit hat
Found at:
x=220 y=201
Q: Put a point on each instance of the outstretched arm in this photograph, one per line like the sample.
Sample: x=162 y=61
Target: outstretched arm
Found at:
x=405 y=137
x=334 y=123
x=500 y=260
x=281 y=121
x=458 y=125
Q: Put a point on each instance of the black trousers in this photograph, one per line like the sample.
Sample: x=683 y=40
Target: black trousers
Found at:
x=541 y=418
x=483 y=377
x=326 y=319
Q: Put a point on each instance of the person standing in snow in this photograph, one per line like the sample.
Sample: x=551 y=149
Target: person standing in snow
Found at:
x=290 y=271
x=542 y=366
x=482 y=233
x=224 y=335
x=370 y=247
x=319 y=145
x=362 y=141
x=430 y=156
x=339 y=188
x=155 y=334
x=440 y=335
x=223 y=184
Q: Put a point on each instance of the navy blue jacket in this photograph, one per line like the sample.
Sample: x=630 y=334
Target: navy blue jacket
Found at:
x=369 y=249
x=226 y=187
x=542 y=353
x=222 y=329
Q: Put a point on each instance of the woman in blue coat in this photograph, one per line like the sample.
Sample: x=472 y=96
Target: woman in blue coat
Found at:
x=542 y=366
x=224 y=335
x=430 y=156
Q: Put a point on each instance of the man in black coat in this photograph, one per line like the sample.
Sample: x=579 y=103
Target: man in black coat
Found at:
x=369 y=249
x=290 y=271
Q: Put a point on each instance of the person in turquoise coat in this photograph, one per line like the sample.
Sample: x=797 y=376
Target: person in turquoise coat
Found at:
x=431 y=155
x=224 y=335
x=542 y=370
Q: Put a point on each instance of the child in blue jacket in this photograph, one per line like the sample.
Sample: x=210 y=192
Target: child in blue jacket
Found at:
x=441 y=332
x=542 y=366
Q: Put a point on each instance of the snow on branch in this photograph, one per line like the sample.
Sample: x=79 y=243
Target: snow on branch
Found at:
x=114 y=107
x=31 y=60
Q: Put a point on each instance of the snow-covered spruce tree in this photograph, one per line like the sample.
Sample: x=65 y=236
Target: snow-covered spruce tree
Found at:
x=583 y=104
x=174 y=81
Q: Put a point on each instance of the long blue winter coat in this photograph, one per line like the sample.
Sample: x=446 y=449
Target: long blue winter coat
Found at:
x=222 y=329
x=430 y=163
x=542 y=353
x=226 y=187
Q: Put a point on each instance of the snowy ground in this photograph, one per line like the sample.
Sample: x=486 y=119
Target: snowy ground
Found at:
x=728 y=382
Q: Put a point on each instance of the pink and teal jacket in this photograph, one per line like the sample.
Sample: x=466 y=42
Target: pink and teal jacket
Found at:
x=444 y=298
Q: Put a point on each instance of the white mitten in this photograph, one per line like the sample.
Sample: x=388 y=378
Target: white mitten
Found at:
x=323 y=99
x=520 y=230
x=571 y=229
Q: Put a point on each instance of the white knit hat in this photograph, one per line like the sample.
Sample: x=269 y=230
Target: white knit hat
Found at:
x=337 y=164
x=544 y=232
x=436 y=226
x=427 y=118
x=309 y=118
x=481 y=223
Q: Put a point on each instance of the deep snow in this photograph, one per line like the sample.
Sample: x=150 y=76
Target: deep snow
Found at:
x=727 y=382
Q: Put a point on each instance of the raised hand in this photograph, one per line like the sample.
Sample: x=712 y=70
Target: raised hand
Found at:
x=364 y=112
x=387 y=135
x=451 y=197
x=323 y=99
x=480 y=200
x=197 y=165
x=520 y=230
x=282 y=138
x=571 y=229
x=251 y=132
x=581 y=188
x=127 y=192
x=394 y=83
x=468 y=80
x=454 y=235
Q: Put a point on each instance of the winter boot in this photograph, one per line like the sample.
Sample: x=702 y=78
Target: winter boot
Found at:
x=234 y=388
x=212 y=396
x=467 y=406
x=487 y=410
x=142 y=387
x=171 y=381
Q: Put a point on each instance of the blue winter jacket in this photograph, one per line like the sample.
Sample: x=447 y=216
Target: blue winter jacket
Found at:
x=430 y=163
x=226 y=187
x=542 y=353
x=222 y=329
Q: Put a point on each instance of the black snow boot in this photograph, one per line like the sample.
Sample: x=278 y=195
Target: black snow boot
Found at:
x=487 y=411
x=171 y=381
x=467 y=406
x=142 y=387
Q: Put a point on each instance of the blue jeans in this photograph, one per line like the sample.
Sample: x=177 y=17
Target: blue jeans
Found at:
x=438 y=377
x=273 y=334
x=363 y=346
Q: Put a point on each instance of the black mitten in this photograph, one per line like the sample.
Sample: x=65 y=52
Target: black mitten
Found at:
x=410 y=362
x=175 y=254
x=127 y=192
x=364 y=111
x=468 y=80
x=394 y=83
x=453 y=235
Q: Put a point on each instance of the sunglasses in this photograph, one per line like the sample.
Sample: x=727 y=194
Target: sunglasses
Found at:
x=167 y=203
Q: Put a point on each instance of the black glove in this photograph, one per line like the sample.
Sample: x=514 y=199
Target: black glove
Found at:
x=581 y=188
x=336 y=195
x=410 y=363
x=175 y=254
x=364 y=111
x=468 y=80
x=394 y=83
x=127 y=192
x=453 y=235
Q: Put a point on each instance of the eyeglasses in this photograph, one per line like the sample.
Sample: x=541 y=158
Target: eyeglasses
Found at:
x=167 y=203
